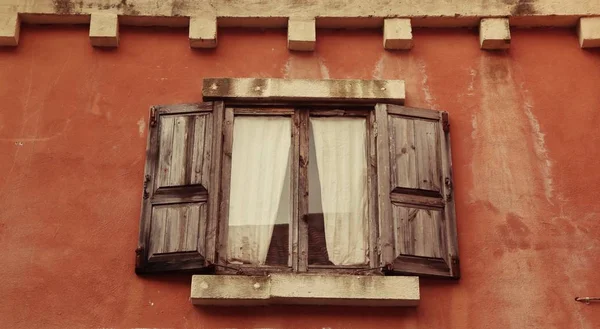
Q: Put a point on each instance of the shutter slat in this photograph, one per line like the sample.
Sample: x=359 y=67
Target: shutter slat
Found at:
x=419 y=232
x=416 y=210
x=402 y=153
x=199 y=171
x=177 y=167
x=427 y=155
x=157 y=232
x=165 y=150
x=180 y=170
x=172 y=221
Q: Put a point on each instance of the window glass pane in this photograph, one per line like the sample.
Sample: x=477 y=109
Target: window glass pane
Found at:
x=337 y=178
x=260 y=198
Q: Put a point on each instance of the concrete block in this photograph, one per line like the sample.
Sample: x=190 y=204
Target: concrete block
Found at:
x=203 y=32
x=305 y=289
x=397 y=33
x=494 y=33
x=10 y=26
x=588 y=30
x=104 y=30
x=304 y=90
x=302 y=34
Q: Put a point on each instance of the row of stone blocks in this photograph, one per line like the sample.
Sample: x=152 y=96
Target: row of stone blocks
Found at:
x=494 y=33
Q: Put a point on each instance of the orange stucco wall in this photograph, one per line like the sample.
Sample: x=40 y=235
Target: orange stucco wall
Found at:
x=525 y=142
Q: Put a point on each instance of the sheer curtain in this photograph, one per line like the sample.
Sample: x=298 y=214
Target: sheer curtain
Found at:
x=261 y=147
x=340 y=145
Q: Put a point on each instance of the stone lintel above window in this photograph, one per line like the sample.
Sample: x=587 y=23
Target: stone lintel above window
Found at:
x=328 y=91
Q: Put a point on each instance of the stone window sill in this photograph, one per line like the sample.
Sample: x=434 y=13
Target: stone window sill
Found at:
x=305 y=289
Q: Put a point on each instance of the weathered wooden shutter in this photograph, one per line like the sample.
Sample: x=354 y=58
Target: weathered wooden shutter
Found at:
x=415 y=199
x=180 y=197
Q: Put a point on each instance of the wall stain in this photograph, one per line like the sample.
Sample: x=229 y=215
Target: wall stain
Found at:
x=519 y=7
x=128 y=8
x=487 y=206
x=539 y=144
x=179 y=7
x=63 y=7
x=125 y=7
x=523 y=7
x=2 y=230
x=514 y=233
x=141 y=123
x=497 y=71
x=305 y=66
x=516 y=225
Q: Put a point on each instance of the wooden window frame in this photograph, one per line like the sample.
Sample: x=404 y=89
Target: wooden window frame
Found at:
x=298 y=246
x=384 y=256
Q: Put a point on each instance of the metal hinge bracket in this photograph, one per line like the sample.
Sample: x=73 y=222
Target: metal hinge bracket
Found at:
x=146 y=181
x=139 y=253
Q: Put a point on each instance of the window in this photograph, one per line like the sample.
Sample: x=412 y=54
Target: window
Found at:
x=357 y=190
x=295 y=177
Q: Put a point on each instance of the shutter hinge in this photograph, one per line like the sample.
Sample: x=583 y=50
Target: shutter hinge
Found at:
x=454 y=266
x=445 y=122
x=153 y=117
x=139 y=253
x=454 y=260
x=146 y=181
x=388 y=268
x=448 y=183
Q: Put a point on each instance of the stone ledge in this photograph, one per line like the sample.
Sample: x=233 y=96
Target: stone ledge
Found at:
x=302 y=34
x=304 y=90
x=203 y=32
x=10 y=26
x=305 y=289
x=494 y=33
x=397 y=33
x=275 y=14
x=588 y=31
x=104 y=30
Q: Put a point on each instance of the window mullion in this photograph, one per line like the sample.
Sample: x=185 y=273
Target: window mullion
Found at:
x=372 y=192
x=301 y=121
x=225 y=185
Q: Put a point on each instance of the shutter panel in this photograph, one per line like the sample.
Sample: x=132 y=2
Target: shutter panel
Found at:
x=415 y=199
x=180 y=198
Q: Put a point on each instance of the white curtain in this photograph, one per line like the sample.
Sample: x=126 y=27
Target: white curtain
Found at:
x=340 y=145
x=261 y=147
